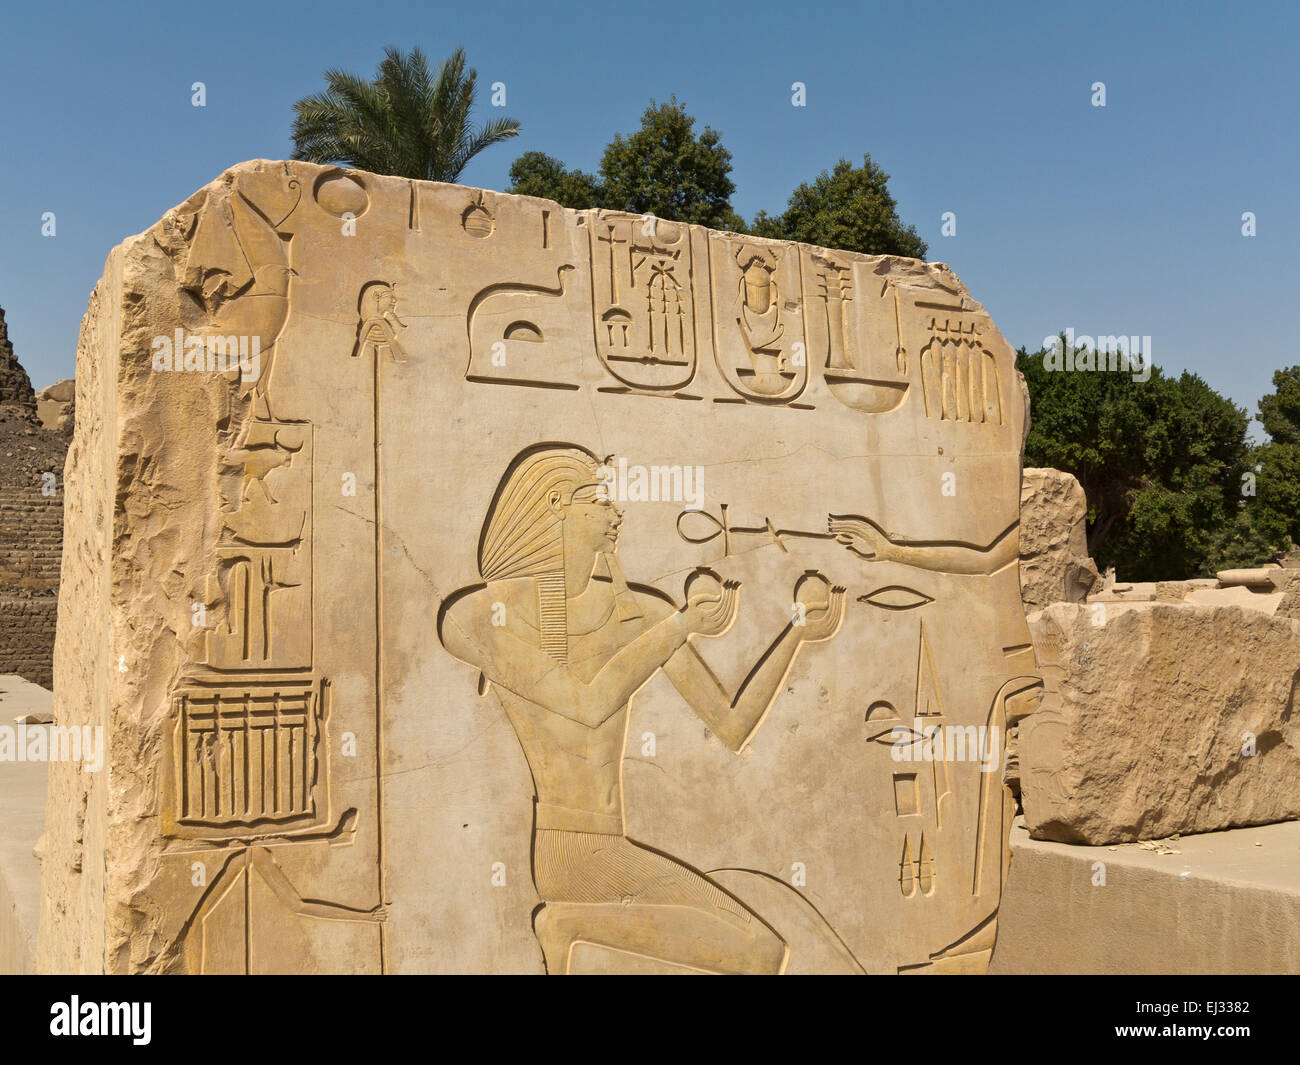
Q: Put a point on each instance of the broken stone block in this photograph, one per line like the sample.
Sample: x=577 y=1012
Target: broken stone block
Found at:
x=56 y=406
x=1160 y=718
x=468 y=584
x=1054 y=562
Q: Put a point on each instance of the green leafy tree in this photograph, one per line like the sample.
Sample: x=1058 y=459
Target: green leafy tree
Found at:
x=537 y=174
x=1280 y=411
x=404 y=122
x=1275 y=506
x=1161 y=462
x=668 y=170
x=847 y=207
x=665 y=169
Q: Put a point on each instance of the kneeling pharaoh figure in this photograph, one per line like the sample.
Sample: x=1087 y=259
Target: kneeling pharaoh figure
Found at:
x=572 y=645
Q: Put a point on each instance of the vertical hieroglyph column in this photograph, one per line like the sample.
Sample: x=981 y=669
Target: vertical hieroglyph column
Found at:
x=235 y=825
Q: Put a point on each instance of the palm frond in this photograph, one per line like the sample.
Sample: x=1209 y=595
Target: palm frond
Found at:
x=404 y=121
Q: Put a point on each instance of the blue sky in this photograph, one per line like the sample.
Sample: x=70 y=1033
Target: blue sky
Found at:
x=1117 y=220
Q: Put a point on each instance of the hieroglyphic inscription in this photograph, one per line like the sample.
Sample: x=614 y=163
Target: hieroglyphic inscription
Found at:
x=959 y=375
x=299 y=693
x=248 y=766
x=758 y=331
x=643 y=277
x=247 y=753
x=264 y=556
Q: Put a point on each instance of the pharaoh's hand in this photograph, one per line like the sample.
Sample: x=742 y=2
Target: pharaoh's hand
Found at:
x=823 y=607
x=861 y=536
x=711 y=604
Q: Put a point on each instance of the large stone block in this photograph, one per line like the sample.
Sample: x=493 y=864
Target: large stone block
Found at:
x=1161 y=718
x=1221 y=902
x=555 y=593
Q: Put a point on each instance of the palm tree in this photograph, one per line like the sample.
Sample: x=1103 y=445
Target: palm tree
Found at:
x=404 y=122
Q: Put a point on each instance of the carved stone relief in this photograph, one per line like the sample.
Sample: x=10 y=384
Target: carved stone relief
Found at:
x=413 y=675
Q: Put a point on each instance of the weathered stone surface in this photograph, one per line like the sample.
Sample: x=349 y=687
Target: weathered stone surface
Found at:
x=1264 y=598
x=1054 y=562
x=395 y=646
x=56 y=406
x=1289 y=605
x=1149 y=712
x=1220 y=902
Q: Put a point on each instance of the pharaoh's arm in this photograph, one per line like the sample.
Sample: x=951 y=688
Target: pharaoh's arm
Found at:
x=524 y=669
x=866 y=539
x=734 y=718
x=295 y=903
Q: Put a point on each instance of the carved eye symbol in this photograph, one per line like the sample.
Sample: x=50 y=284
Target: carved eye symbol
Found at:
x=896 y=597
x=896 y=735
x=882 y=713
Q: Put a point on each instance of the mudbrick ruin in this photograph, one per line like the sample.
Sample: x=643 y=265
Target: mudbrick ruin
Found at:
x=31 y=522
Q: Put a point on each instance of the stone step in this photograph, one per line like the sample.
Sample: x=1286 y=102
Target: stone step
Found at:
x=1227 y=902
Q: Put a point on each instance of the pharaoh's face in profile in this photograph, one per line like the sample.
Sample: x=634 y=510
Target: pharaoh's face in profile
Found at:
x=378 y=300
x=551 y=512
x=591 y=521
